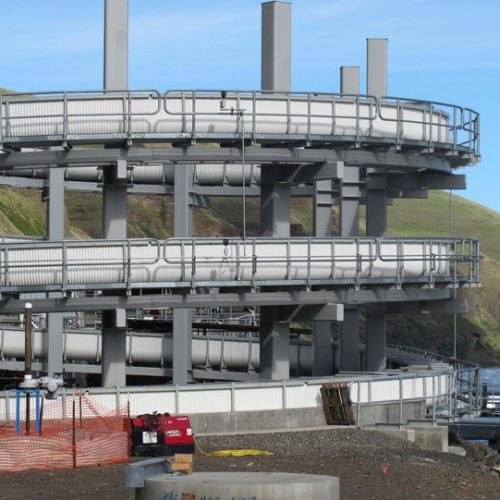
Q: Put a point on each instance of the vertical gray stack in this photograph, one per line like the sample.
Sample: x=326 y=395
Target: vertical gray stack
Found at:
x=349 y=359
x=114 y=191
x=274 y=196
x=376 y=206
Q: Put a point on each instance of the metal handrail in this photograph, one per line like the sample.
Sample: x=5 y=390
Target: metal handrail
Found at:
x=458 y=119
x=461 y=123
x=252 y=95
x=243 y=257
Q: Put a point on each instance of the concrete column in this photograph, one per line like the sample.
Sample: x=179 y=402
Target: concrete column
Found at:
x=376 y=338
x=55 y=223
x=114 y=191
x=349 y=227
x=275 y=197
x=183 y=318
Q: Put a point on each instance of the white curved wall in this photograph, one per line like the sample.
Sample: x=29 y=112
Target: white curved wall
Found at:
x=294 y=114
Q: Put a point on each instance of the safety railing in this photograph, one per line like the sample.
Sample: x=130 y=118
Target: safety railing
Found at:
x=252 y=262
x=63 y=100
x=464 y=393
x=442 y=122
x=448 y=393
x=306 y=116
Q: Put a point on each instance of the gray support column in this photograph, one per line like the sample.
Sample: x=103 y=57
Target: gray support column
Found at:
x=376 y=206
x=183 y=318
x=376 y=337
x=349 y=341
x=276 y=52
x=55 y=223
x=114 y=348
x=275 y=197
x=114 y=191
x=274 y=346
x=349 y=226
x=114 y=324
x=322 y=330
x=116 y=45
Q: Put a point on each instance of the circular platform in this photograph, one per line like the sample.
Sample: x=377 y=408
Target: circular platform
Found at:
x=241 y=485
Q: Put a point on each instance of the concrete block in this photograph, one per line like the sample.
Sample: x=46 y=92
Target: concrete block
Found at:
x=431 y=438
x=405 y=434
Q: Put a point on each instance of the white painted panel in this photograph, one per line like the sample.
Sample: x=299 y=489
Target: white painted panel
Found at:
x=262 y=398
x=205 y=401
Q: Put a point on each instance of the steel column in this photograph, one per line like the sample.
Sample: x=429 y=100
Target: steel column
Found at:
x=116 y=45
x=376 y=203
x=349 y=341
x=275 y=197
x=276 y=46
x=376 y=67
x=349 y=226
x=114 y=191
x=274 y=346
x=376 y=338
x=322 y=330
x=183 y=318
x=55 y=227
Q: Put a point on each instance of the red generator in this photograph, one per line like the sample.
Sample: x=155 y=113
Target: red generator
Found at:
x=160 y=434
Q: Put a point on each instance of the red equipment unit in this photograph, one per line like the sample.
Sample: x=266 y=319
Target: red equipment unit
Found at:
x=161 y=434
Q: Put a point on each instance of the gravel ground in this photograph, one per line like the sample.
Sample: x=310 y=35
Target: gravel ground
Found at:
x=370 y=465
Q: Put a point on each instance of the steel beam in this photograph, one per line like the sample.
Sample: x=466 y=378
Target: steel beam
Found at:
x=387 y=159
x=326 y=312
x=247 y=299
x=449 y=306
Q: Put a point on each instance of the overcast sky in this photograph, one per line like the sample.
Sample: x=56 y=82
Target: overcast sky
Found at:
x=443 y=50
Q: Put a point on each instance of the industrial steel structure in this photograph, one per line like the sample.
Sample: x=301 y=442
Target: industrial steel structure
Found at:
x=343 y=149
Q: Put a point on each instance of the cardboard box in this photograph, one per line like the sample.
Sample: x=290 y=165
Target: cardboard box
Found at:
x=183 y=458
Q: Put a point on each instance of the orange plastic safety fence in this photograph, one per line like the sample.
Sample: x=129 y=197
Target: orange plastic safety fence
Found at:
x=75 y=431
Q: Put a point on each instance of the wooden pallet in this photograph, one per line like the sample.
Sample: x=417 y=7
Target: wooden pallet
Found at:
x=336 y=403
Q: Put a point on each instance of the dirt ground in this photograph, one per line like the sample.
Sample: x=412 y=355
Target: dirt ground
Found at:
x=369 y=465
